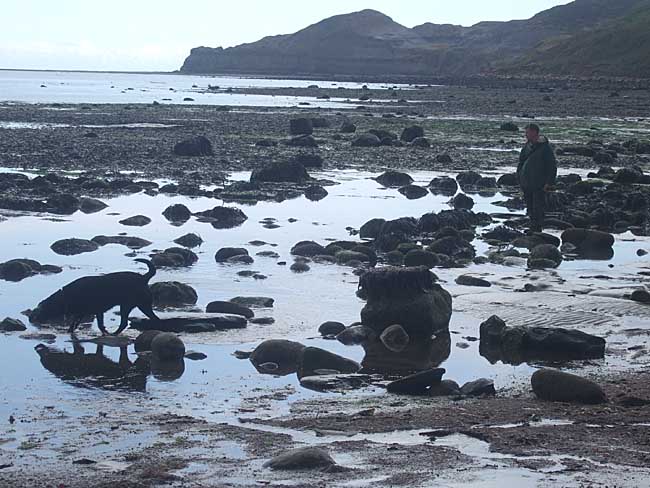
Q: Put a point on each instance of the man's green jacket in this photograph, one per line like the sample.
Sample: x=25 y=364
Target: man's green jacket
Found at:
x=537 y=165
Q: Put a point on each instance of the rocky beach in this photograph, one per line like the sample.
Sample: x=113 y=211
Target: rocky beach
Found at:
x=349 y=295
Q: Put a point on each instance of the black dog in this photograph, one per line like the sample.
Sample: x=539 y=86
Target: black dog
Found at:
x=95 y=295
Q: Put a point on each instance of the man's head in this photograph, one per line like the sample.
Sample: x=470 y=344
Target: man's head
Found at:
x=532 y=133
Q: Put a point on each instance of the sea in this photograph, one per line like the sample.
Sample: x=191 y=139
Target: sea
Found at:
x=68 y=87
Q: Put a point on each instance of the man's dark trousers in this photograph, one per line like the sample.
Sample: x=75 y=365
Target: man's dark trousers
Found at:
x=535 y=208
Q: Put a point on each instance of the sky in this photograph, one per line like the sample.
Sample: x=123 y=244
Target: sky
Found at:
x=157 y=35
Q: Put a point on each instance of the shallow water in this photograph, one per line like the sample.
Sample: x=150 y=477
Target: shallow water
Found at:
x=86 y=87
x=223 y=387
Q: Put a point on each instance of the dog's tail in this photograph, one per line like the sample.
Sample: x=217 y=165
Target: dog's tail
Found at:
x=152 y=269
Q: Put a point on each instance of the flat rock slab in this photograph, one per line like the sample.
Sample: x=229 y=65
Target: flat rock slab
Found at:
x=254 y=302
x=418 y=383
x=335 y=382
x=72 y=247
x=109 y=341
x=193 y=323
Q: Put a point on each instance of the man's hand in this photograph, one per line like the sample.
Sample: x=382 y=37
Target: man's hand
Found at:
x=548 y=187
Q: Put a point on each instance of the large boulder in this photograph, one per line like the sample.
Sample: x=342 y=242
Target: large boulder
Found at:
x=308 y=160
x=254 y=302
x=468 y=179
x=177 y=213
x=172 y=294
x=301 y=458
x=136 y=221
x=302 y=141
x=315 y=193
x=223 y=217
x=588 y=241
x=413 y=192
x=417 y=384
x=409 y=134
x=371 y=229
x=72 y=247
x=314 y=360
x=366 y=140
x=143 y=341
x=190 y=240
x=394 y=232
x=519 y=344
x=406 y=296
x=347 y=127
x=91 y=205
x=19 y=269
x=301 y=126
x=308 y=249
x=443 y=185
x=277 y=356
x=229 y=307
x=197 y=146
x=509 y=127
x=626 y=176
x=420 y=257
x=394 y=179
x=174 y=257
x=166 y=346
x=558 y=386
x=131 y=242
x=462 y=201
x=544 y=256
x=12 y=325
x=281 y=172
x=225 y=253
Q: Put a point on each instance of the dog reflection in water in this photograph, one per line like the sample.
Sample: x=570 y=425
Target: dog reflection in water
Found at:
x=94 y=369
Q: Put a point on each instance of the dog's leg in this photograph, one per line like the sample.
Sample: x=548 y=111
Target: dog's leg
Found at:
x=76 y=321
x=100 y=323
x=124 y=318
x=146 y=308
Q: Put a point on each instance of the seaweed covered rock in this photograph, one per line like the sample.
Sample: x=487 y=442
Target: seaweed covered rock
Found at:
x=281 y=172
x=406 y=296
x=223 y=217
x=394 y=179
x=196 y=146
x=394 y=232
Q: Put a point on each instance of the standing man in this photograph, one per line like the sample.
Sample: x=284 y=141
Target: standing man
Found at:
x=536 y=171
